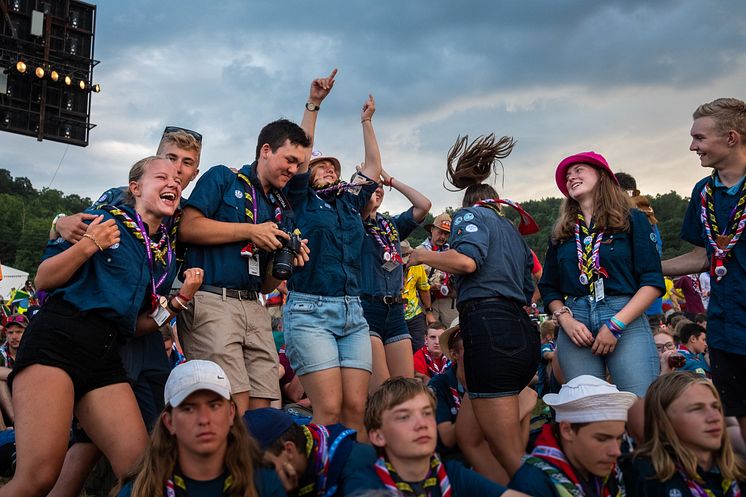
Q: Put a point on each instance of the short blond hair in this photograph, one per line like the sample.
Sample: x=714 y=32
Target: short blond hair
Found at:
x=728 y=114
x=393 y=392
x=182 y=140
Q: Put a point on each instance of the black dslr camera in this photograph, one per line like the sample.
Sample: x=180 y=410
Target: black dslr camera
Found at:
x=285 y=255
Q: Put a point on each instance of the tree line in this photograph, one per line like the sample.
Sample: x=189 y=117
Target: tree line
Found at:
x=26 y=215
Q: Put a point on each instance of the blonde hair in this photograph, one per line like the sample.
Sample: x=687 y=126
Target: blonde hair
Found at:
x=611 y=210
x=728 y=114
x=160 y=460
x=182 y=140
x=393 y=392
x=136 y=172
x=663 y=447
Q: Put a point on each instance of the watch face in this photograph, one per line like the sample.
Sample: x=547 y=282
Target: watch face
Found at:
x=311 y=106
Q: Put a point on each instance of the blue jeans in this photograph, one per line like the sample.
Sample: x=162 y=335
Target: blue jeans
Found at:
x=326 y=332
x=634 y=363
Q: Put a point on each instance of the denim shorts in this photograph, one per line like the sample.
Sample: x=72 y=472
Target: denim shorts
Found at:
x=633 y=365
x=501 y=347
x=326 y=332
x=386 y=321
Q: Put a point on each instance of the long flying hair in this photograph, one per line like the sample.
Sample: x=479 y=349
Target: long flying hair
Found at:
x=611 y=207
x=662 y=445
x=469 y=164
x=161 y=458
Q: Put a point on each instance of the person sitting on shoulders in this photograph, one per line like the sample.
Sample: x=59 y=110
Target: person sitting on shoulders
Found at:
x=577 y=454
x=688 y=450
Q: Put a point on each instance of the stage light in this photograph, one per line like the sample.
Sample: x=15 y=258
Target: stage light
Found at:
x=68 y=131
x=68 y=80
x=82 y=84
x=39 y=72
x=54 y=75
x=21 y=66
x=97 y=88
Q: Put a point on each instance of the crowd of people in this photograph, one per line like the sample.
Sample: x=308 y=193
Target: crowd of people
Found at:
x=276 y=334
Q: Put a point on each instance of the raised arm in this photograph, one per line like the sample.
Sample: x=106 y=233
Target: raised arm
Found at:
x=320 y=88
x=372 y=166
x=420 y=202
x=57 y=270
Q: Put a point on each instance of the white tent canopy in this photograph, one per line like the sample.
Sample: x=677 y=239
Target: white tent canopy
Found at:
x=12 y=278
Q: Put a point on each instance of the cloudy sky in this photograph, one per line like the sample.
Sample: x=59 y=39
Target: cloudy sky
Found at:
x=618 y=77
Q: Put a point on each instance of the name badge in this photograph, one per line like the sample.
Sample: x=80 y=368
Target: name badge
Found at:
x=253 y=262
x=160 y=315
x=390 y=265
x=599 y=289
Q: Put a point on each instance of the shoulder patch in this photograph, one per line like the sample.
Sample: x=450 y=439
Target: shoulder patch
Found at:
x=674 y=492
x=102 y=198
x=468 y=216
x=457 y=221
x=238 y=194
x=471 y=228
x=653 y=238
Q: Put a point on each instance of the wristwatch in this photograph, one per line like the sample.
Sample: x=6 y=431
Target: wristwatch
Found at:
x=312 y=107
x=428 y=309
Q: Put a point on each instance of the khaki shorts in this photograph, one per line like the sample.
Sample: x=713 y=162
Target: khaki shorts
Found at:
x=237 y=335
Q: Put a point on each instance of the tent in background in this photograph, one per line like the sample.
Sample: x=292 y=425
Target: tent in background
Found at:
x=11 y=278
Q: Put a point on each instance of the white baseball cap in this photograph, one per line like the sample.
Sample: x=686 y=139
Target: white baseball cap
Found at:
x=587 y=399
x=191 y=376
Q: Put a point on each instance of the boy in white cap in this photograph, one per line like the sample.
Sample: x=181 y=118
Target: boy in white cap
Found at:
x=199 y=446
x=577 y=455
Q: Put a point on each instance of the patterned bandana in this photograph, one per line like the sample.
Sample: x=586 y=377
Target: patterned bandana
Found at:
x=436 y=476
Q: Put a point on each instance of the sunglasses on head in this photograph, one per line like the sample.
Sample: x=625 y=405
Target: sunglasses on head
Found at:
x=17 y=319
x=174 y=129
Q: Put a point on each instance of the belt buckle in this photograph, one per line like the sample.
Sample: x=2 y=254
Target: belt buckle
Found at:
x=388 y=299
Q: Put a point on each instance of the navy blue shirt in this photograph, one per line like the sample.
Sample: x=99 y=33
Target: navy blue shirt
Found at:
x=266 y=482
x=446 y=408
x=631 y=259
x=335 y=234
x=115 y=282
x=376 y=280
x=219 y=195
x=504 y=261
x=726 y=312
x=640 y=481
x=464 y=482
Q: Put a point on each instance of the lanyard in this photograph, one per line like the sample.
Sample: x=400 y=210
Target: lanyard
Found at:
x=589 y=258
x=149 y=255
x=385 y=233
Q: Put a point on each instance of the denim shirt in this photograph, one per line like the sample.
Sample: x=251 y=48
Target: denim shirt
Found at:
x=219 y=195
x=504 y=261
x=376 y=280
x=335 y=234
x=115 y=283
x=630 y=258
x=726 y=312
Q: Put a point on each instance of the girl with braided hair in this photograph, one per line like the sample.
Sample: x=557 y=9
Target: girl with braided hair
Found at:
x=492 y=268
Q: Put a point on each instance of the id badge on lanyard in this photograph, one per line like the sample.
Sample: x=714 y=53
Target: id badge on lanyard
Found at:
x=598 y=289
x=253 y=262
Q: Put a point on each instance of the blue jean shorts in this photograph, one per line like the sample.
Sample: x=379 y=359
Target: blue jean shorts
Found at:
x=326 y=332
x=386 y=321
x=633 y=365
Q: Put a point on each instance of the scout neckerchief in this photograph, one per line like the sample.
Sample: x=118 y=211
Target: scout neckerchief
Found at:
x=527 y=225
x=384 y=232
x=549 y=458
x=275 y=196
x=721 y=243
x=154 y=252
x=696 y=285
x=436 y=476
x=588 y=251
x=176 y=486
x=337 y=188
x=5 y=352
x=730 y=488
x=321 y=454
x=435 y=366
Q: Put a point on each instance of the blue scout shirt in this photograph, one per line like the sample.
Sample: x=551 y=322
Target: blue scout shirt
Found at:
x=335 y=234
x=726 y=312
x=115 y=282
x=219 y=195
x=266 y=482
x=443 y=386
x=464 y=482
x=376 y=280
x=543 y=382
x=631 y=259
x=639 y=480
x=504 y=261
x=694 y=362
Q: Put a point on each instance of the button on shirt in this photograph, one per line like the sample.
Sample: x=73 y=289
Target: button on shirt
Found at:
x=630 y=258
x=726 y=311
x=504 y=262
x=219 y=195
x=375 y=279
x=115 y=282
x=335 y=233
